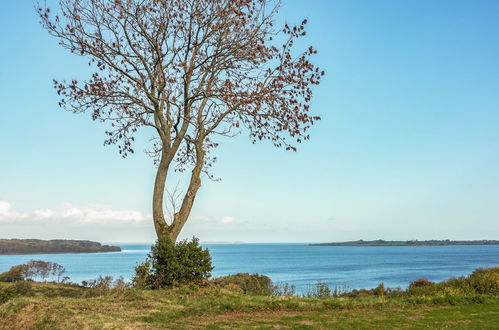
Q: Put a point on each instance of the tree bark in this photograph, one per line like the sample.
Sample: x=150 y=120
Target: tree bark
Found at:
x=195 y=183
x=160 y=224
x=180 y=218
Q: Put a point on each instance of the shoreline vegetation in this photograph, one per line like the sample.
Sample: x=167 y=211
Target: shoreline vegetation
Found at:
x=36 y=246
x=380 y=242
x=251 y=301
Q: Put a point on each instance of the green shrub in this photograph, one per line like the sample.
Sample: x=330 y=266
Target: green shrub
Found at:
x=171 y=264
x=105 y=285
x=143 y=277
x=320 y=290
x=283 y=290
x=448 y=287
x=395 y=292
x=481 y=281
x=422 y=282
x=233 y=288
x=485 y=281
x=380 y=290
x=252 y=284
x=101 y=283
x=14 y=274
x=454 y=286
x=423 y=286
x=357 y=293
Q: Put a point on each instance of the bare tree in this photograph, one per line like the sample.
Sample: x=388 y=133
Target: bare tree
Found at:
x=43 y=269
x=190 y=69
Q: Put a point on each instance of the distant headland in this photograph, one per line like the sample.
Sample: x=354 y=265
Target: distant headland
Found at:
x=36 y=246
x=380 y=242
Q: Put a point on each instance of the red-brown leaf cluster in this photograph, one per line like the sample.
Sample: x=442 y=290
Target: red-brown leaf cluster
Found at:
x=190 y=69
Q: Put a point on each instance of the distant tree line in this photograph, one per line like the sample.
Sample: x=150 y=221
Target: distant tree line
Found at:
x=35 y=246
x=381 y=242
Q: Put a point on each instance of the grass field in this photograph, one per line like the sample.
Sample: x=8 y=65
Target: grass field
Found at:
x=59 y=306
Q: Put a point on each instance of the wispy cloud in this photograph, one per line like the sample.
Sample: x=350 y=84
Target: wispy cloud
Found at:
x=68 y=213
x=227 y=220
x=4 y=208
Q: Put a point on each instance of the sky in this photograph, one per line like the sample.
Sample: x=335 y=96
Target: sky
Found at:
x=407 y=148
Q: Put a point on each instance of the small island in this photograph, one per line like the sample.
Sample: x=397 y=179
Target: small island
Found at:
x=380 y=242
x=36 y=246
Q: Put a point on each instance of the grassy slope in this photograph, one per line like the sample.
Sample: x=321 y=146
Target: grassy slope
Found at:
x=57 y=306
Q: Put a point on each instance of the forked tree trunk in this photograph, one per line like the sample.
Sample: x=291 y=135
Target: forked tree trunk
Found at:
x=195 y=183
x=180 y=218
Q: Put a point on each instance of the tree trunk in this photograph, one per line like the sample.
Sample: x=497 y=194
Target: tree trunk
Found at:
x=180 y=218
x=158 y=215
x=183 y=214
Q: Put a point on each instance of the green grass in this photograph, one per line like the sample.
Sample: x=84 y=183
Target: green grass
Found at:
x=58 y=306
x=473 y=316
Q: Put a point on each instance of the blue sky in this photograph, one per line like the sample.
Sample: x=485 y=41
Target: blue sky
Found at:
x=408 y=147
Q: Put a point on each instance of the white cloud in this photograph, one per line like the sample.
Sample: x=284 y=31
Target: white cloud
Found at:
x=43 y=214
x=67 y=213
x=227 y=220
x=4 y=208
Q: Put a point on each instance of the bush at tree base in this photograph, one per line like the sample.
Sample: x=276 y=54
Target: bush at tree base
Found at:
x=171 y=264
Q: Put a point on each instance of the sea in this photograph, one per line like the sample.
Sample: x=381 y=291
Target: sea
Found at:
x=301 y=265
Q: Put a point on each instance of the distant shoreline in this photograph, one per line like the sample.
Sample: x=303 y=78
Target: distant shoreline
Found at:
x=36 y=246
x=69 y=252
x=408 y=243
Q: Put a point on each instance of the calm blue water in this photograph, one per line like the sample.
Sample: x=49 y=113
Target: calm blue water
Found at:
x=299 y=264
